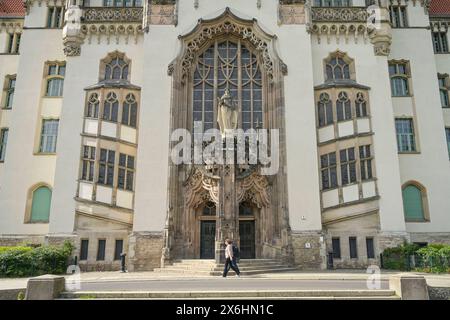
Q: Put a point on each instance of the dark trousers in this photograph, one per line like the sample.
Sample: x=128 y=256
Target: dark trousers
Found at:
x=230 y=263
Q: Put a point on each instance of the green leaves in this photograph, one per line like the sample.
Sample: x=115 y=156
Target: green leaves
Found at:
x=28 y=261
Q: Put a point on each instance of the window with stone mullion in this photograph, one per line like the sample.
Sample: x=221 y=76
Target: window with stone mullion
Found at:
x=227 y=65
x=348 y=166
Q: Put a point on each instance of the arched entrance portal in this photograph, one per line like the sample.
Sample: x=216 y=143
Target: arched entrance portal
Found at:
x=227 y=52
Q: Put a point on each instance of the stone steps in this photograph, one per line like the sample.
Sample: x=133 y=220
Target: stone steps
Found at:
x=209 y=267
x=236 y=294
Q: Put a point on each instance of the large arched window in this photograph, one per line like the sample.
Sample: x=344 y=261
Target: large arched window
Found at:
x=117 y=69
x=231 y=65
x=129 y=111
x=115 y=66
x=40 y=204
x=414 y=202
x=111 y=107
x=92 y=106
x=343 y=107
x=325 y=110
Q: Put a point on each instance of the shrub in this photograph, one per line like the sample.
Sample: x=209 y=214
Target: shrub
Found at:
x=25 y=261
x=435 y=258
x=398 y=258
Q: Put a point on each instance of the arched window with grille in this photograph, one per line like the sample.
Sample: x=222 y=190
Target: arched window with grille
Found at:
x=92 y=106
x=129 y=111
x=228 y=65
x=325 y=110
x=111 y=107
x=343 y=107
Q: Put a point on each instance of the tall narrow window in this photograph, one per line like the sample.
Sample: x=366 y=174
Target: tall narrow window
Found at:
x=353 y=248
x=3 y=142
x=325 y=110
x=447 y=135
x=101 y=250
x=92 y=106
x=405 y=135
x=11 y=86
x=332 y=3
x=399 y=74
x=328 y=171
x=361 y=105
x=336 y=244
x=55 y=79
x=365 y=158
x=87 y=172
x=126 y=172
x=398 y=16
x=348 y=166
x=40 y=204
x=106 y=167
x=118 y=249
x=370 y=248
x=440 y=42
x=228 y=65
x=49 y=136
x=55 y=17
x=84 y=249
x=129 y=111
x=343 y=107
x=122 y=3
x=13 y=44
x=413 y=203
x=443 y=90
x=111 y=107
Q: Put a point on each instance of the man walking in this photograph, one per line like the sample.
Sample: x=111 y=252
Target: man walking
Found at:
x=230 y=259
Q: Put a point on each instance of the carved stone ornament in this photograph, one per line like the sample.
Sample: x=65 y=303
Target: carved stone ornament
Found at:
x=162 y=14
x=107 y=14
x=291 y=14
x=201 y=188
x=227 y=23
x=355 y=14
x=72 y=50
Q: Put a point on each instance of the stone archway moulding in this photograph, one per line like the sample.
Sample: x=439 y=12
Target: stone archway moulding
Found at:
x=228 y=24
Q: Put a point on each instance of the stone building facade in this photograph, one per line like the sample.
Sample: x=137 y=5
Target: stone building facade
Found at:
x=93 y=90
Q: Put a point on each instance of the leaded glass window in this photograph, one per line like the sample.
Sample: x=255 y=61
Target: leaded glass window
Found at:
x=228 y=65
x=337 y=69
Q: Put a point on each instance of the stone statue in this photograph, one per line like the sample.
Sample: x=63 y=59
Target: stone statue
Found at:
x=227 y=117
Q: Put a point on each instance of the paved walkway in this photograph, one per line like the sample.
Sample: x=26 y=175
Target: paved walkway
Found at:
x=352 y=278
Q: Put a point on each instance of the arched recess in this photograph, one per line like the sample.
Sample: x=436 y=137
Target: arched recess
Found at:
x=415 y=202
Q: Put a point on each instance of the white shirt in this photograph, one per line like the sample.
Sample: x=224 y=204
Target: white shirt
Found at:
x=229 y=251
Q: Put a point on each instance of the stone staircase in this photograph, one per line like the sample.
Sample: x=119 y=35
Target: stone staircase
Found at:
x=237 y=295
x=210 y=268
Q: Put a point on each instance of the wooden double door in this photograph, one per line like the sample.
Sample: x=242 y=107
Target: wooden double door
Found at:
x=246 y=235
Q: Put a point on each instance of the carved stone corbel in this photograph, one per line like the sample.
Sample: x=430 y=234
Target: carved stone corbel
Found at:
x=72 y=35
